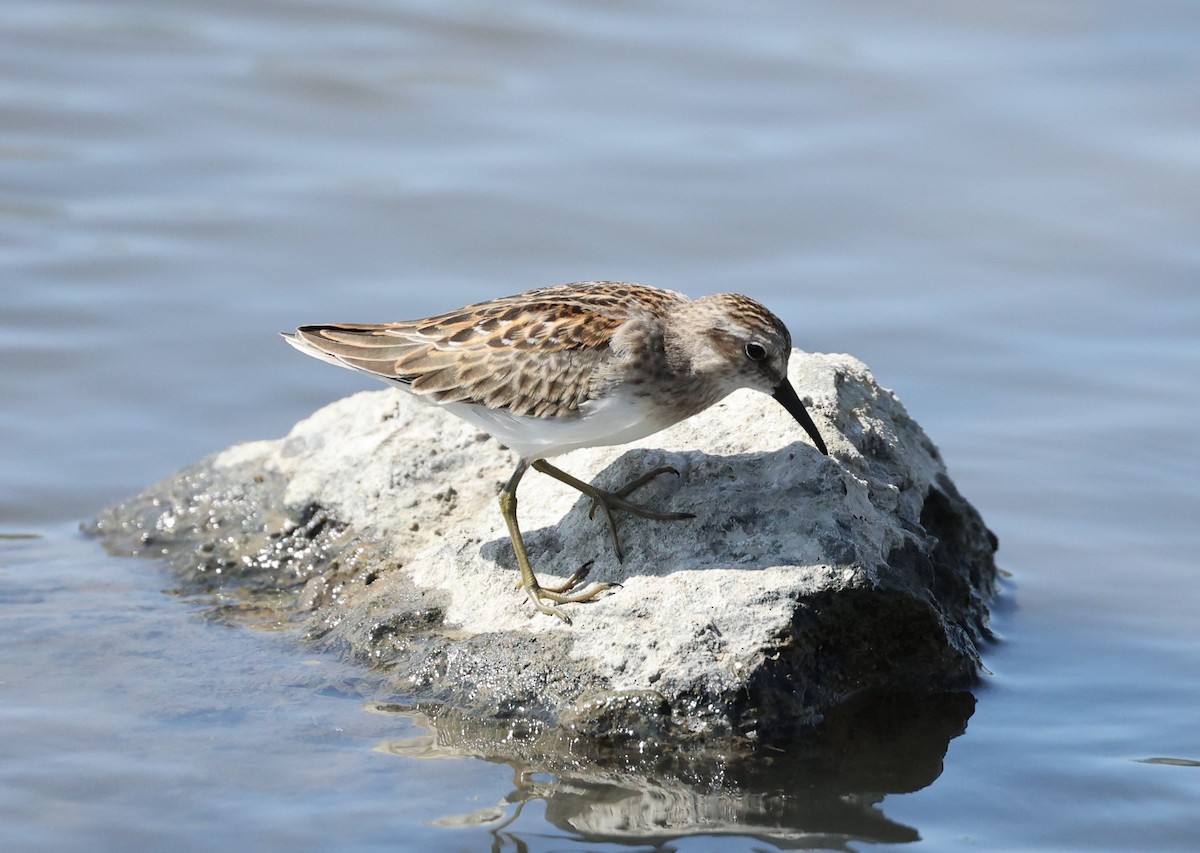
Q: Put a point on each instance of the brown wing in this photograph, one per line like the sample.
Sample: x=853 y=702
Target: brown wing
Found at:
x=541 y=353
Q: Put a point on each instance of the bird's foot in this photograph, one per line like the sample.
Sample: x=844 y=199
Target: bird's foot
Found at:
x=608 y=501
x=545 y=597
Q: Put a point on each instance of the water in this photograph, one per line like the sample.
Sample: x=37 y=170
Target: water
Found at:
x=994 y=207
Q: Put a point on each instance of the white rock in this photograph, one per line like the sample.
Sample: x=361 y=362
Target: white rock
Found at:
x=802 y=580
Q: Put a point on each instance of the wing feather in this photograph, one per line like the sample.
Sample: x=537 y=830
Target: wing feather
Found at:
x=543 y=353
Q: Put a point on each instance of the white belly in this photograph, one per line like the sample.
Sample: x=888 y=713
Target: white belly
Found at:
x=616 y=419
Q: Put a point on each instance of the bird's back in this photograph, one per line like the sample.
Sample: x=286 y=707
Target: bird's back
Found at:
x=539 y=354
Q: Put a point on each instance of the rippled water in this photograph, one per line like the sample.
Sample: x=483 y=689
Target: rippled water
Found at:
x=995 y=207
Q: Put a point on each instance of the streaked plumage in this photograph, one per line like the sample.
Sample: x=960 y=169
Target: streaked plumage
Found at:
x=576 y=365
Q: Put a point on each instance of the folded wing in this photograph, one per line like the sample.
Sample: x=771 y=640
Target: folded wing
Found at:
x=540 y=354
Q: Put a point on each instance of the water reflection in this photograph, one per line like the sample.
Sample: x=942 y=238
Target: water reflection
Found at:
x=826 y=790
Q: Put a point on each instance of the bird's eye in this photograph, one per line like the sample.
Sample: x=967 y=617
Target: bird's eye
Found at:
x=755 y=351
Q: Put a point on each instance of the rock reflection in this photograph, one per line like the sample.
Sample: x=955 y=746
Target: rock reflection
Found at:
x=826 y=790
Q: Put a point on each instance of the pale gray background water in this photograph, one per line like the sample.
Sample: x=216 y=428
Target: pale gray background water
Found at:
x=996 y=206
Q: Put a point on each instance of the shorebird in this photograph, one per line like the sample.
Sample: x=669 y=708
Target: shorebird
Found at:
x=577 y=365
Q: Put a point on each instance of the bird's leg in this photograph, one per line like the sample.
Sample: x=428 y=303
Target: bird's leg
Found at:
x=538 y=594
x=608 y=501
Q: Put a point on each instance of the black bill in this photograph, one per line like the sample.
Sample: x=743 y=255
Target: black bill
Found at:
x=786 y=395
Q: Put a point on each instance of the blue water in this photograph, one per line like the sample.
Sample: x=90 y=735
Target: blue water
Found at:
x=996 y=208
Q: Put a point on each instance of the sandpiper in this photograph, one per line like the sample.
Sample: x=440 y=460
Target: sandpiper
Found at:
x=577 y=365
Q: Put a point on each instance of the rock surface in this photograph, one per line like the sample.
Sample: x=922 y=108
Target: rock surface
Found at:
x=804 y=580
